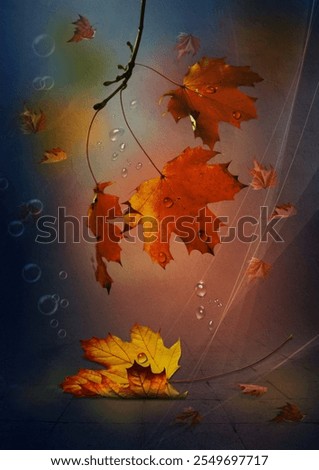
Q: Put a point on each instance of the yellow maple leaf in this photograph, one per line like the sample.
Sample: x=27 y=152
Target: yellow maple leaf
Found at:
x=137 y=369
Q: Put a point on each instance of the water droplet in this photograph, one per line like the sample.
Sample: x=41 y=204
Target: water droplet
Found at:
x=114 y=156
x=61 y=334
x=124 y=172
x=216 y=301
x=115 y=134
x=139 y=165
x=56 y=297
x=168 y=202
x=200 y=289
x=200 y=312
x=47 y=305
x=219 y=304
x=133 y=104
x=64 y=303
x=162 y=257
x=202 y=235
x=31 y=273
x=35 y=206
x=16 y=228
x=196 y=90
x=237 y=115
x=63 y=275
x=142 y=358
x=211 y=89
x=210 y=325
x=122 y=147
x=54 y=323
x=4 y=183
x=129 y=162
x=98 y=143
x=43 y=45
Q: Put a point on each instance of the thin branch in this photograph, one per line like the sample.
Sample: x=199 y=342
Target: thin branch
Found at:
x=224 y=374
x=134 y=136
x=159 y=73
x=130 y=66
x=88 y=143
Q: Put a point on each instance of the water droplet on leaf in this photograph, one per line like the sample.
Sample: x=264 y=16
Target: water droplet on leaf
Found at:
x=211 y=89
x=133 y=104
x=116 y=133
x=122 y=147
x=142 y=358
x=200 y=289
x=114 y=156
x=168 y=202
x=200 y=312
x=124 y=172
x=210 y=325
x=237 y=115
x=139 y=165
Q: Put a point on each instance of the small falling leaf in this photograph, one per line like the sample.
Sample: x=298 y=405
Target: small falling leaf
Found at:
x=54 y=155
x=262 y=176
x=31 y=121
x=288 y=412
x=257 y=269
x=189 y=417
x=252 y=389
x=83 y=30
x=137 y=369
x=284 y=211
x=210 y=95
x=187 y=44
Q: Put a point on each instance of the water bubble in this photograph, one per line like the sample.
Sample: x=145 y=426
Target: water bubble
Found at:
x=31 y=273
x=124 y=172
x=61 y=333
x=56 y=297
x=210 y=325
x=54 y=323
x=211 y=89
x=219 y=304
x=35 y=206
x=114 y=156
x=200 y=312
x=139 y=165
x=114 y=134
x=4 y=183
x=43 y=83
x=16 y=228
x=168 y=202
x=64 y=303
x=237 y=115
x=200 y=289
x=142 y=358
x=162 y=257
x=43 y=45
x=133 y=104
x=122 y=147
x=63 y=275
x=47 y=305
x=216 y=301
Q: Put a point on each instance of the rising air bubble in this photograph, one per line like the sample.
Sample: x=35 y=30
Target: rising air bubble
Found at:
x=43 y=45
x=31 y=273
x=47 y=305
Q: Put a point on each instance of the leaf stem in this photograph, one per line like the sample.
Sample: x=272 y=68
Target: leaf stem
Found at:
x=224 y=374
x=134 y=136
x=159 y=73
x=87 y=154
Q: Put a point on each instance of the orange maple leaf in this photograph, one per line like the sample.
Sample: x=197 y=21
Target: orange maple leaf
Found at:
x=288 y=412
x=189 y=417
x=54 y=155
x=252 y=389
x=104 y=209
x=176 y=203
x=262 y=176
x=137 y=369
x=187 y=44
x=31 y=121
x=284 y=211
x=83 y=30
x=210 y=94
x=257 y=269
